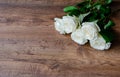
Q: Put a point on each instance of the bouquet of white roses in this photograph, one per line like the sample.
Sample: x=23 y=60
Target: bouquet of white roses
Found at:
x=88 y=21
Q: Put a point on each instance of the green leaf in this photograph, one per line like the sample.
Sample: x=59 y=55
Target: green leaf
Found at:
x=70 y=8
x=88 y=5
x=74 y=13
x=104 y=12
x=91 y=17
x=103 y=9
x=109 y=24
x=82 y=16
x=83 y=10
x=108 y=1
x=85 y=4
x=101 y=24
x=102 y=16
x=97 y=5
x=107 y=35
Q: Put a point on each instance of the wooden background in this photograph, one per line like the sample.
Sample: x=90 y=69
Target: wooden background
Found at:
x=30 y=46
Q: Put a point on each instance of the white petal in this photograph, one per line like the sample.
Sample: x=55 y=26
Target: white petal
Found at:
x=107 y=46
x=99 y=43
x=78 y=37
x=97 y=27
x=90 y=29
x=67 y=24
x=59 y=25
x=70 y=24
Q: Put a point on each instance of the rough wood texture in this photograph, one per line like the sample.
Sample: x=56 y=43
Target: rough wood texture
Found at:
x=40 y=2
x=30 y=46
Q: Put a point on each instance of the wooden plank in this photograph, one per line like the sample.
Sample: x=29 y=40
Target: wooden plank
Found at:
x=30 y=46
x=40 y=2
x=43 y=2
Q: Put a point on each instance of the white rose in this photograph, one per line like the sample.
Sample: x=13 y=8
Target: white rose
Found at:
x=90 y=30
x=59 y=26
x=78 y=37
x=67 y=24
x=100 y=43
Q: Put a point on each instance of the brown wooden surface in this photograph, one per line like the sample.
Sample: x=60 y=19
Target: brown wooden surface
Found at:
x=40 y=2
x=30 y=46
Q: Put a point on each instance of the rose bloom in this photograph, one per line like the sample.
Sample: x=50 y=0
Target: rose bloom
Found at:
x=66 y=25
x=78 y=37
x=90 y=30
x=59 y=26
x=100 y=43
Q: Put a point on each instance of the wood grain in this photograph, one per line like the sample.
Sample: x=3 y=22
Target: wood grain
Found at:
x=40 y=2
x=30 y=46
